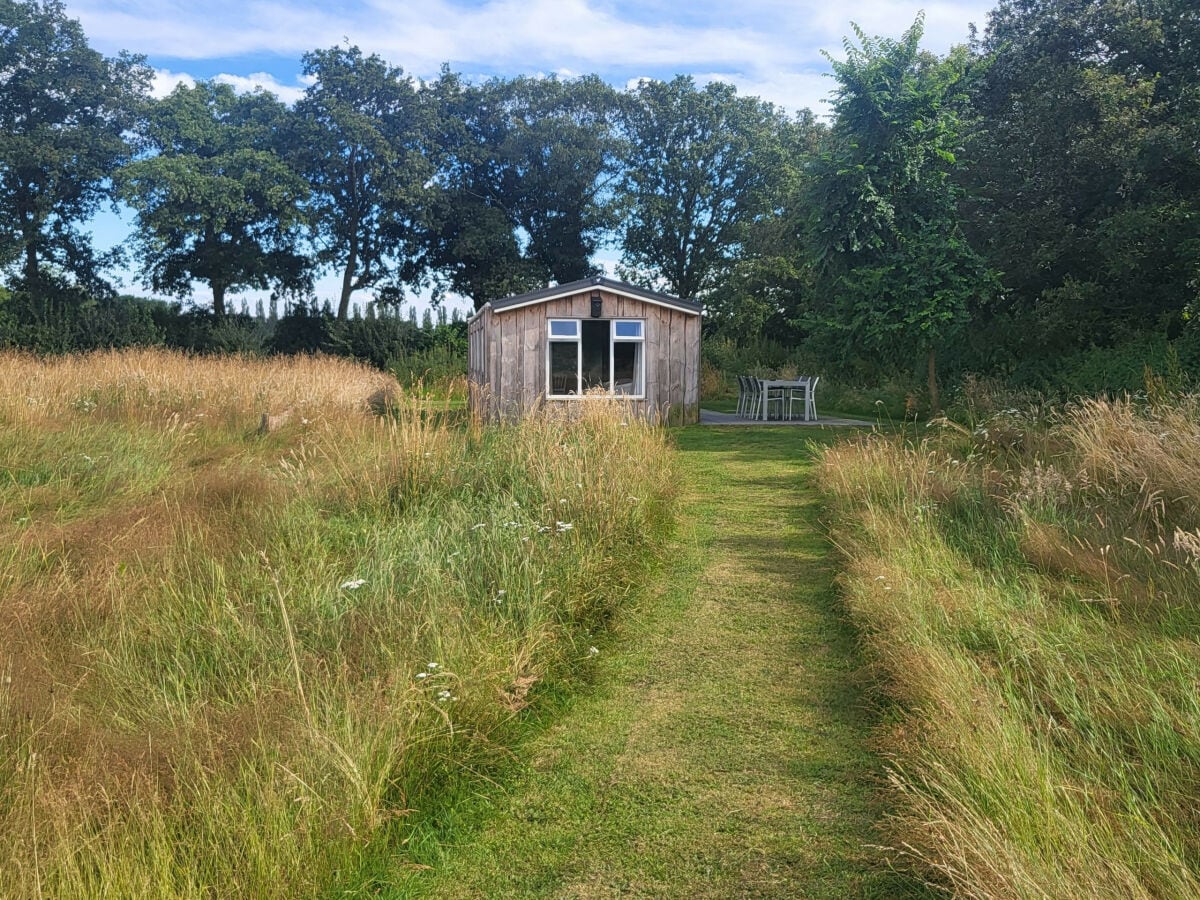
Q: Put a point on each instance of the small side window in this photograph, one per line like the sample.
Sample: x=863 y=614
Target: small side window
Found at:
x=629 y=330
x=564 y=328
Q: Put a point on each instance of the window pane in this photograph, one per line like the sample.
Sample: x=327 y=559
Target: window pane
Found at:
x=595 y=354
x=564 y=376
x=564 y=328
x=627 y=368
x=627 y=329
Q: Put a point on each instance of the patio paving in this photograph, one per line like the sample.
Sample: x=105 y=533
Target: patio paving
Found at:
x=712 y=417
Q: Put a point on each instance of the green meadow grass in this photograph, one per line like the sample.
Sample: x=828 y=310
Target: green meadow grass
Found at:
x=1028 y=593
x=240 y=663
x=724 y=749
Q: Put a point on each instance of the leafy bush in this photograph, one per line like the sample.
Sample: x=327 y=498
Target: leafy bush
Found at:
x=61 y=318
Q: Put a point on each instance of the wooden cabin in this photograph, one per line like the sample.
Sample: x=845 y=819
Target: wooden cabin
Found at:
x=552 y=345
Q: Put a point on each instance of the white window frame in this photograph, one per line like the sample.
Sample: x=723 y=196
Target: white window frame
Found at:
x=639 y=377
x=551 y=340
x=613 y=340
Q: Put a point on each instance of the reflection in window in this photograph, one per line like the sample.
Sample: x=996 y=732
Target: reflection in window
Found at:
x=595 y=354
x=585 y=354
x=627 y=368
x=564 y=367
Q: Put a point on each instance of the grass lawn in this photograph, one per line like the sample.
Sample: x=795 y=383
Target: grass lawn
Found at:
x=723 y=749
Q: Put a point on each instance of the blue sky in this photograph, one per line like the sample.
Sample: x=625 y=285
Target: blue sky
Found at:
x=770 y=48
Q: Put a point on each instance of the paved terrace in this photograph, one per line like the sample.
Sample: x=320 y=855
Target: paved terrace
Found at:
x=711 y=417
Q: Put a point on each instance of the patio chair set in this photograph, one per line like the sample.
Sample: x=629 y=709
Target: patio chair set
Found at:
x=757 y=397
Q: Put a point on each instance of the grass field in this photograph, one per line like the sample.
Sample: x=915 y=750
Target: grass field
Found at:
x=724 y=749
x=250 y=662
x=1028 y=592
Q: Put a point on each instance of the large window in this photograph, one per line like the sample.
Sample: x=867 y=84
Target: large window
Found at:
x=583 y=354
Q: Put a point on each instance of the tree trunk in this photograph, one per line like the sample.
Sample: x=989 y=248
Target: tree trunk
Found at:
x=935 y=402
x=218 y=290
x=31 y=265
x=348 y=282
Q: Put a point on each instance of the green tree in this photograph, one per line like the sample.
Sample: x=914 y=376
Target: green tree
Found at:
x=216 y=202
x=362 y=142
x=525 y=194
x=769 y=286
x=1083 y=182
x=896 y=277
x=65 y=114
x=701 y=166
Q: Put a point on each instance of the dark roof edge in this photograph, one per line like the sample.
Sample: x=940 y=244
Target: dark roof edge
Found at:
x=597 y=281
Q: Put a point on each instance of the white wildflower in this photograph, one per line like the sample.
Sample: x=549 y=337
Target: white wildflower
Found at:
x=564 y=526
x=353 y=584
x=478 y=525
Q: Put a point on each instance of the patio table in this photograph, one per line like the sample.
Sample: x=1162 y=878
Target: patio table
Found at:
x=769 y=384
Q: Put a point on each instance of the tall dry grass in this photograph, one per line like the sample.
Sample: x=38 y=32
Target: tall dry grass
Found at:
x=1029 y=592
x=236 y=663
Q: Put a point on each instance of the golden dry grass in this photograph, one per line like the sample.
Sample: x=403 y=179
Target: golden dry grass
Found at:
x=199 y=698
x=151 y=383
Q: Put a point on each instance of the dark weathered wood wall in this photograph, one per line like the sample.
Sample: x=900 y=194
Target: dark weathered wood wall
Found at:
x=507 y=356
x=478 y=390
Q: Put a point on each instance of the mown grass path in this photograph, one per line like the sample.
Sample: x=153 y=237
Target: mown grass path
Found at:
x=723 y=750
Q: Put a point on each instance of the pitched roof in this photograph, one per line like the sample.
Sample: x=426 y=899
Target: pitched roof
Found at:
x=596 y=281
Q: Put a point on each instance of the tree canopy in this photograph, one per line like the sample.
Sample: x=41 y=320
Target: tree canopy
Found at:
x=66 y=113
x=215 y=200
x=526 y=194
x=897 y=275
x=701 y=165
x=362 y=139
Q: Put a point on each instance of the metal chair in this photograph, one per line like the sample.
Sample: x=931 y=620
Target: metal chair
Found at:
x=768 y=397
x=755 y=397
x=805 y=393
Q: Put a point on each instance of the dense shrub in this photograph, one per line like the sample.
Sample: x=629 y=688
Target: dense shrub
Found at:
x=65 y=319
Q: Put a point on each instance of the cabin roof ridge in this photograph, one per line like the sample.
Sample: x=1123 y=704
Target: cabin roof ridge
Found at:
x=624 y=288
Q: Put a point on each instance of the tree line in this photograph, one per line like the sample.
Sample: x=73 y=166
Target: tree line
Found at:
x=1031 y=194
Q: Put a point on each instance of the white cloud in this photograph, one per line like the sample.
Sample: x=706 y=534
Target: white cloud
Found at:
x=245 y=84
x=166 y=81
x=768 y=47
x=793 y=91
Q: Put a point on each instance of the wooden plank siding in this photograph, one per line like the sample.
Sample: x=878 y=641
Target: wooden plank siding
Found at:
x=507 y=356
